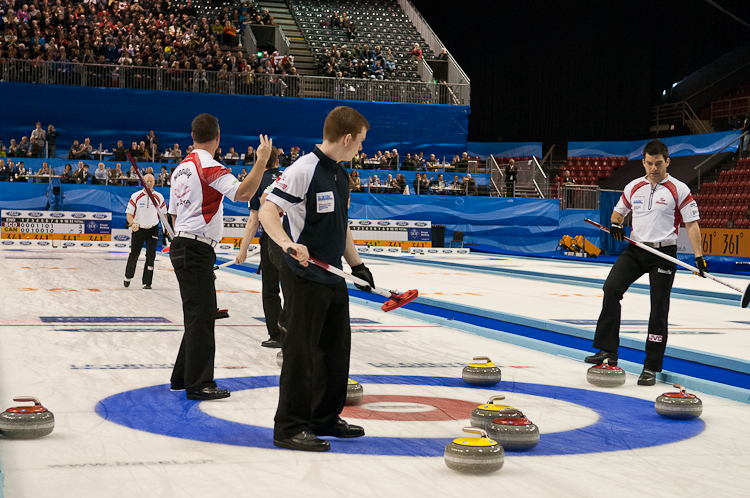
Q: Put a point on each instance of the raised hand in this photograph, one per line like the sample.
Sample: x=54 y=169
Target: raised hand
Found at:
x=264 y=149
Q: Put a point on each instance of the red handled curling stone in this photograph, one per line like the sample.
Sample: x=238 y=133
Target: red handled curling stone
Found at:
x=606 y=375
x=481 y=374
x=474 y=455
x=482 y=415
x=680 y=405
x=354 y=392
x=26 y=422
x=514 y=433
x=280 y=358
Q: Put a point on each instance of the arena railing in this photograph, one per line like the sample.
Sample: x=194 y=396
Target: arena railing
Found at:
x=202 y=81
x=578 y=196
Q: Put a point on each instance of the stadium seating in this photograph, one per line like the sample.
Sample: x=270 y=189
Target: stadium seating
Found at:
x=725 y=203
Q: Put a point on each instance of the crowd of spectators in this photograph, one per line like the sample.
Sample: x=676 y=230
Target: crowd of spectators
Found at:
x=146 y=33
x=423 y=184
x=411 y=162
x=357 y=62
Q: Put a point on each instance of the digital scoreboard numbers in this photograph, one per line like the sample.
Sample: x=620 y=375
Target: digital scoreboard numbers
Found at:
x=55 y=225
x=401 y=233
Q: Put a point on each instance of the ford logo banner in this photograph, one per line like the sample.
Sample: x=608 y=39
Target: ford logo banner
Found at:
x=103 y=244
x=402 y=223
x=384 y=223
x=377 y=249
x=8 y=242
x=420 y=224
x=78 y=215
x=68 y=244
x=122 y=237
x=228 y=220
x=86 y=244
x=365 y=222
x=57 y=215
x=42 y=243
x=100 y=216
x=14 y=213
x=25 y=242
x=35 y=214
x=121 y=245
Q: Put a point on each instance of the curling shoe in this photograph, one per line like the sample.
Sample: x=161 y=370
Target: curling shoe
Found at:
x=208 y=393
x=599 y=358
x=304 y=441
x=647 y=378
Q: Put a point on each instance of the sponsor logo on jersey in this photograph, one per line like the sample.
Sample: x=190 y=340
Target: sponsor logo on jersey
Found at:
x=100 y=216
x=662 y=201
x=122 y=237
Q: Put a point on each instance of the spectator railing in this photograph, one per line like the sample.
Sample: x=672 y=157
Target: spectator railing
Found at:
x=193 y=80
x=497 y=177
x=578 y=196
x=541 y=180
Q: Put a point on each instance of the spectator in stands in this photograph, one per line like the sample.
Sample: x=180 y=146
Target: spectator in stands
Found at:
x=242 y=174
x=351 y=32
x=176 y=154
x=283 y=159
x=100 y=175
x=231 y=157
x=116 y=175
x=433 y=163
x=401 y=183
x=23 y=147
x=143 y=151
x=5 y=172
x=457 y=184
x=567 y=184
x=249 y=156
x=511 y=176
x=471 y=185
x=375 y=185
x=51 y=138
x=120 y=152
x=389 y=63
x=408 y=163
x=218 y=31
x=67 y=175
x=163 y=179
x=229 y=35
x=334 y=22
x=152 y=143
x=443 y=55
x=424 y=184
x=39 y=136
x=438 y=186
x=463 y=164
x=35 y=149
x=390 y=184
x=84 y=175
x=134 y=151
x=355 y=183
x=455 y=161
x=416 y=54
x=20 y=172
x=44 y=173
x=12 y=148
x=376 y=71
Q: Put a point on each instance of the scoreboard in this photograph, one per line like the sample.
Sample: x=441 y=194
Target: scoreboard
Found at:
x=234 y=229
x=402 y=233
x=55 y=225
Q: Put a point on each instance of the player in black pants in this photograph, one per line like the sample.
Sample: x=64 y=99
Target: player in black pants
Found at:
x=314 y=194
x=659 y=203
x=143 y=218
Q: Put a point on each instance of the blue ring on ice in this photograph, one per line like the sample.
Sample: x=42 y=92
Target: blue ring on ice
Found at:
x=624 y=423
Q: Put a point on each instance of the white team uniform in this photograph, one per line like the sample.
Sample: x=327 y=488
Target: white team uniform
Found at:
x=143 y=210
x=657 y=211
x=198 y=187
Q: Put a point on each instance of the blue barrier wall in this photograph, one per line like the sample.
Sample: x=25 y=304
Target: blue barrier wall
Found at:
x=108 y=115
x=518 y=225
x=689 y=145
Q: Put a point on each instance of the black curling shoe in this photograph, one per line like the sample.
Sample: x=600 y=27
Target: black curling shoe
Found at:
x=602 y=355
x=208 y=393
x=304 y=441
x=340 y=429
x=647 y=378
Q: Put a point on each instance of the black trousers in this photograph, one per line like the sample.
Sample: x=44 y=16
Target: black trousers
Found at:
x=150 y=236
x=510 y=189
x=193 y=263
x=629 y=267
x=312 y=388
x=269 y=274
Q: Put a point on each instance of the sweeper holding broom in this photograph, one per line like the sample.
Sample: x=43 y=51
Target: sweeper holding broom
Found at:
x=659 y=203
x=314 y=193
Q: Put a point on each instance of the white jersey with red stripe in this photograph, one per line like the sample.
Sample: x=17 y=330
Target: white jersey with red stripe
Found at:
x=142 y=209
x=198 y=187
x=657 y=210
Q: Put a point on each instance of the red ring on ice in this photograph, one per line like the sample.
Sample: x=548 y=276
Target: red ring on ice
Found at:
x=445 y=409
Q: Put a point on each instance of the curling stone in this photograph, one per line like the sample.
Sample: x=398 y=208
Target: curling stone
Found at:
x=474 y=455
x=514 y=433
x=679 y=405
x=482 y=415
x=354 y=392
x=606 y=375
x=26 y=422
x=280 y=358
x=481 y=374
